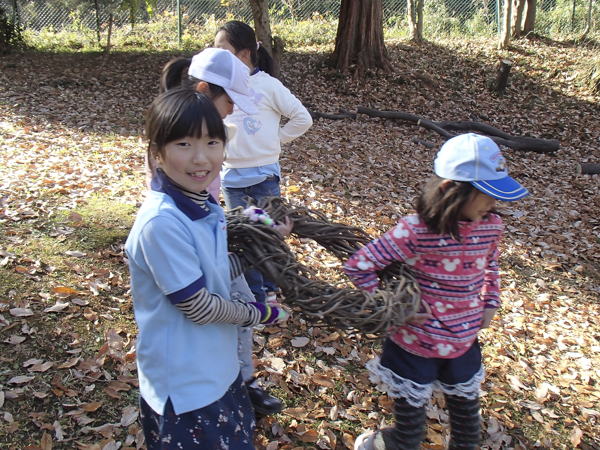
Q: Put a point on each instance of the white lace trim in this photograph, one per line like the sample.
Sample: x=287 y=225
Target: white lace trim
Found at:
x=398 y=387
x=468 y=389
x=418 y=394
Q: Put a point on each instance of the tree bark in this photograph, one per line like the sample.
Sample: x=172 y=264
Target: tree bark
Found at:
x=262 y=24
x=359 y=40
x=529 y=25
x=420 y=20
x=412 y=25
x=502 y=77
x=444 y=129
x=588 y=22
x=505 y=38
x=517 y=18
x=278 y=47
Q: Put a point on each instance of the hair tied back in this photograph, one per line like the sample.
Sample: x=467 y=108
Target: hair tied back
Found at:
x=258 y=44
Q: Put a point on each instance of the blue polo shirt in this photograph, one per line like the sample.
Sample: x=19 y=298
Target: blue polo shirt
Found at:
x=176 y=248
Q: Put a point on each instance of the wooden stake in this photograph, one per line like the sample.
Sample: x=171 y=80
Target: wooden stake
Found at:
x=502 y=77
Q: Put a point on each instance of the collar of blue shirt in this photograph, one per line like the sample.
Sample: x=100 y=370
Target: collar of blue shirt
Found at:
x=162 y=183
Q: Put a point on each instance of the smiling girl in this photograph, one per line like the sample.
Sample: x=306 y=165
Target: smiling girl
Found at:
x=192 y=395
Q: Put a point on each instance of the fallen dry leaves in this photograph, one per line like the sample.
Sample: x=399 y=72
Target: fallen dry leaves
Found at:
x=70 y=131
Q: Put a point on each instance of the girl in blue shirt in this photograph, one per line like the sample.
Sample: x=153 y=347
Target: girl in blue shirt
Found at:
x=191 y=392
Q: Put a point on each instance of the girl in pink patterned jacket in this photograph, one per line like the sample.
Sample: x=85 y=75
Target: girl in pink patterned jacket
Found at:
x=451 y=246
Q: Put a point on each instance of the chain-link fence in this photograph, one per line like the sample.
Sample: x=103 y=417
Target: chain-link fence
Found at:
x=554 y=17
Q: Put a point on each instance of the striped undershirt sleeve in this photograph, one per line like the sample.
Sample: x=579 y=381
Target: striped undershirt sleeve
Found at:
x=204 y=308
x=237 y=266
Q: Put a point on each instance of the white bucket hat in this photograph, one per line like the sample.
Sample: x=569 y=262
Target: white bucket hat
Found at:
x=223 y=68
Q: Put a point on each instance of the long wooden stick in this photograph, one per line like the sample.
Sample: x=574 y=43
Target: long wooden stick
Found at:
x=443 y=128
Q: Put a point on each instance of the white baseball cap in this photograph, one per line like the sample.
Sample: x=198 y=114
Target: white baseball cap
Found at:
x=477 y=159
x=223 y=68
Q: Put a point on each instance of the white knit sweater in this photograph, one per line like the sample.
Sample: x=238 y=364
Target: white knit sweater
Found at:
x=259 y=136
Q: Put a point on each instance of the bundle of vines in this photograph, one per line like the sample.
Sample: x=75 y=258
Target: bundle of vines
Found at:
x=320 y=302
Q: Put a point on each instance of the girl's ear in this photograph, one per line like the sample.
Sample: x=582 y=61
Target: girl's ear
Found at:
x=155 y=154
x=202 y=87
x=446 y=184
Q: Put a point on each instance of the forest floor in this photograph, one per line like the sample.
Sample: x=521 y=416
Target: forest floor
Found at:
x=71 y=180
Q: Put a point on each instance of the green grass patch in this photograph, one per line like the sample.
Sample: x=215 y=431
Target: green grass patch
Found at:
x=98 y=223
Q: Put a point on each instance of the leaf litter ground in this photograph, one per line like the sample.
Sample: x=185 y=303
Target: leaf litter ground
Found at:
x=71 y=165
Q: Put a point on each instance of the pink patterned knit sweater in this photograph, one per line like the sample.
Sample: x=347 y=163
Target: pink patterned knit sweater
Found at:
x=457 y=279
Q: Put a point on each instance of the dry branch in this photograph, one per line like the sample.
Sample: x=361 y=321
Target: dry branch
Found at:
x=343 y=115
x=339 y=306
x=443 y=128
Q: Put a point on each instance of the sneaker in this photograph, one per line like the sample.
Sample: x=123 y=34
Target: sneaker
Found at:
x=364 y=441
x=262 y=402
x=376 y=440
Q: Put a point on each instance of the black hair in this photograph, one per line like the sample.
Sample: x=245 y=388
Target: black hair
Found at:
x=175 y=74
x=440 y=208
x=178 y=113
x=241 y=37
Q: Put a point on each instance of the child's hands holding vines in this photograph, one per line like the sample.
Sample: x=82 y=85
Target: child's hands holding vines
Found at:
x=423 y=315
x=285 y=227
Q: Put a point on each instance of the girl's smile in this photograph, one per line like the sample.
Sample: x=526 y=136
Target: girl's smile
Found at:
x=192 y=162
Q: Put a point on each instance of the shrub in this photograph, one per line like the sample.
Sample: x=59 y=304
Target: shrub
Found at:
x=10 y=33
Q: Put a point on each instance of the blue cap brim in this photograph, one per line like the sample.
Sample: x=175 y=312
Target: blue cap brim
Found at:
x=505 y=189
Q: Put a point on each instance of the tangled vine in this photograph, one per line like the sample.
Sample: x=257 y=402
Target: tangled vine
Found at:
x=265 y=249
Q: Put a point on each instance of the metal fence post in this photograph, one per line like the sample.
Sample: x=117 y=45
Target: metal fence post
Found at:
x=498 y=15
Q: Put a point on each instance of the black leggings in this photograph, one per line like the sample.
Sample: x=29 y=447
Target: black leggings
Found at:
x=409 y=427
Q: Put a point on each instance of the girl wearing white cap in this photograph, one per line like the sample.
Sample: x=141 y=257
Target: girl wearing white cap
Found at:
x=451 y=246
x=251 y=171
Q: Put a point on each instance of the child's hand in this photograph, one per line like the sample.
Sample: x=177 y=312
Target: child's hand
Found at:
x=421 y=317
x=488 y=315
x=285 y=227
x=271 y=314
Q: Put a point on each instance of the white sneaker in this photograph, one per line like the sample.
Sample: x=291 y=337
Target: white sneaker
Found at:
x=364 y=441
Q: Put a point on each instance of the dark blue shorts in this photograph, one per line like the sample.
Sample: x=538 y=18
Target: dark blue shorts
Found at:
x=428 y=370
x=227 y=423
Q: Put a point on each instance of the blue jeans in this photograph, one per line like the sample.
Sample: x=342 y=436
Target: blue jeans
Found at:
x=235 y=197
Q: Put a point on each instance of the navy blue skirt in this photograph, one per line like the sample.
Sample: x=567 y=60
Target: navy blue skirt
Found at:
x=228 y=423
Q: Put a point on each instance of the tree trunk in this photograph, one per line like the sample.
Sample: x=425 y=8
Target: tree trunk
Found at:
x=359 y=38
x=412 y=25
x=530 y=17
x=588 y=21
x=505 y=38
x=278 y=47
x=517 y=18
x=262 y=25
x=420 y=20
